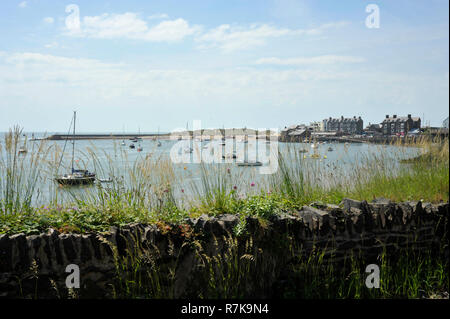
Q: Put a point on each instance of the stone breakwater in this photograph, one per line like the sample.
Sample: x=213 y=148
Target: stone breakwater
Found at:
x=34 y=265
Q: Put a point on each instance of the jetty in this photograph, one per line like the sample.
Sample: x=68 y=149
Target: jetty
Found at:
x=59 y=137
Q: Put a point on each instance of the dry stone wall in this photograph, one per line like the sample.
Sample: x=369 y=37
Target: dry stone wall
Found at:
x=34 y=266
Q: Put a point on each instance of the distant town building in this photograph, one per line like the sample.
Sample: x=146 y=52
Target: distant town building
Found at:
x=373 y=129
x=445 y=123
x=394 y=125
x=295 y=133
x=317 y=126
x=352 y=125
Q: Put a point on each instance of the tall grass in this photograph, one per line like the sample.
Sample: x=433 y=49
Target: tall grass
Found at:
x=19 y=173
x=153 y=188
x=408 y=274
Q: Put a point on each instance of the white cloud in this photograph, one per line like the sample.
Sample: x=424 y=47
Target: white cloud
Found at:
x=231 y=38
x=52 y=45
x=158 y=16
x=49 y=20
x=55 y=82
x=125 y=81
x=130 y=26
x=23 y=4
x=225 y=37
x=323 y=59
x=47 y=60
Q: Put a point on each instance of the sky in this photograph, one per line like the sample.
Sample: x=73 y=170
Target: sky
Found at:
x=143 y=65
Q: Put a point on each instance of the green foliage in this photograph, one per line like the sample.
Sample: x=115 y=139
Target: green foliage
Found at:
x=409 y=274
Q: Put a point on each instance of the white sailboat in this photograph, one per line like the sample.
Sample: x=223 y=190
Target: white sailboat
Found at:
x=77 y=176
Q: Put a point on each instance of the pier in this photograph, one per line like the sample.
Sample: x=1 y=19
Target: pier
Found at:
x=59 y=137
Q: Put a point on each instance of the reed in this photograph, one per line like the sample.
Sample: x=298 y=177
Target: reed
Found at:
x=152 y=189
x=19 y=173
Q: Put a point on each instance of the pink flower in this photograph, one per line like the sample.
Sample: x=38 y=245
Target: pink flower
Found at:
x=182 y=190
x=252 y=184
x=234 y=187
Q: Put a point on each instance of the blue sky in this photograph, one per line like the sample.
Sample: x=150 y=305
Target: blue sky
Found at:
x=264 y=64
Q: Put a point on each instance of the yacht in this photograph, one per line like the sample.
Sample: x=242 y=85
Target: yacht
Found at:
x=77 y=176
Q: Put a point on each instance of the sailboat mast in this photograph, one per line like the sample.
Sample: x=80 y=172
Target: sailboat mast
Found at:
x=73 y=142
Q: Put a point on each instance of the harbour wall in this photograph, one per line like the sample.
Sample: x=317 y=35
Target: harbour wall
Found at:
x=186 y=256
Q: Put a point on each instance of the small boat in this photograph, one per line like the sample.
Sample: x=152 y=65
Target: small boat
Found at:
x=229 y=156
x=159 y=143
x=330 y=149
x=22 y=150
x=245 y=163
x=132 y=146
x=140 y=149
x=123 y=143
x=303 y=150
x=77 y=176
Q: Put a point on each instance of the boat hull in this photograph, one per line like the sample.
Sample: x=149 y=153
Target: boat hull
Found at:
x=75 y=181
x=250 y=164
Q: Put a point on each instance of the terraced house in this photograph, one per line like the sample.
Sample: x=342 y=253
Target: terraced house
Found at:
x=394 y=125
x=352 y=125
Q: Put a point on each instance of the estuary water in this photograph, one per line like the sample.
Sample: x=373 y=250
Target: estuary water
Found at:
x=173 y=165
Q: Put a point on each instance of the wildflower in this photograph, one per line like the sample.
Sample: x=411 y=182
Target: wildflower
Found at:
x=182 y=190
x=234 y=187
x=252 y=184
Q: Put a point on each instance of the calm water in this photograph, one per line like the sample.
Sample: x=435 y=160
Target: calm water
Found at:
x=111 y=159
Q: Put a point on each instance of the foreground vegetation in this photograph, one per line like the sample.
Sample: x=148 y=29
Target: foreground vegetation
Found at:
x=150 y=195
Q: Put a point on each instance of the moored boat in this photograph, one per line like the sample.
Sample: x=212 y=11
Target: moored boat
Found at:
x=77 y=176
x=245 y=163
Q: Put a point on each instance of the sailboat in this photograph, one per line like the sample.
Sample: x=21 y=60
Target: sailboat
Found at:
x=315 y=146
x=188 y=149
x=77 y=176
x=23 y=148
x=123 y=141
x=159 y=142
